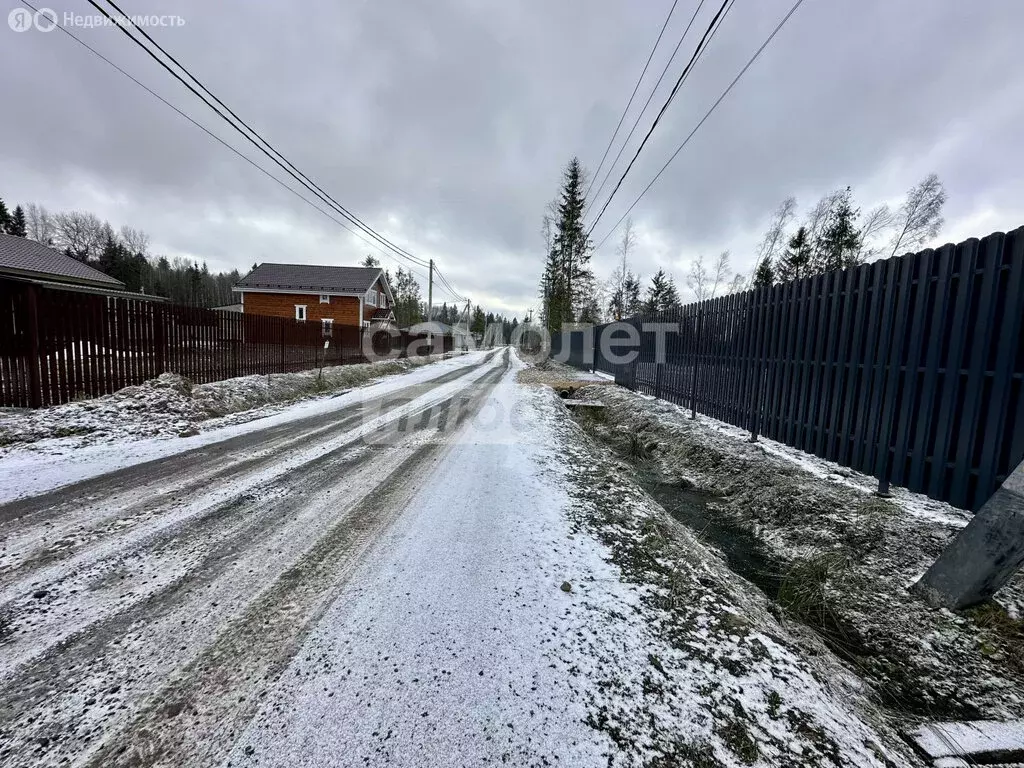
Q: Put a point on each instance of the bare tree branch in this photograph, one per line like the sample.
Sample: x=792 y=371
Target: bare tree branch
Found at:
x=920 y=217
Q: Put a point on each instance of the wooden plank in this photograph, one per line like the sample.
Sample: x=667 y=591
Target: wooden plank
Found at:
x=803 y=361
x=894 y=274
x=1006 y=340
x=922 y=463
x=868 y=362
x=906 y=415
x=890 y=401
x=982 y=329
x=832 y=379
x=810 y=355
x=966 y=258
x=776 y=315
x=846 y=434
x=788 y=344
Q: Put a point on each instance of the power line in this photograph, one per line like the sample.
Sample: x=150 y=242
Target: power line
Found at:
x=283 y=162
x=304 y=178
x=714 y=106
x=701 y=47
x=448 y=285
x=209 y=133
x=631 y=97
x=647 y=103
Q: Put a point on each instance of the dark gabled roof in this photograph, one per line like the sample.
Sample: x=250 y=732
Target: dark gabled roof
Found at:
x=26 y=258
x=382 y=314
x=310 y=278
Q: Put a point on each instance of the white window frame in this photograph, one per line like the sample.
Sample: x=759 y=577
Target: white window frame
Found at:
x=325 y=298
x=327 y=327
x=300 y=312
x=371 y=298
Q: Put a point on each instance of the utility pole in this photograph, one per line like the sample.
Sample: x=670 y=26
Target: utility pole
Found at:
x=430 y=306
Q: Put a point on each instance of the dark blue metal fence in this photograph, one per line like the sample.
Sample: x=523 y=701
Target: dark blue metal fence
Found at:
x=909 y=369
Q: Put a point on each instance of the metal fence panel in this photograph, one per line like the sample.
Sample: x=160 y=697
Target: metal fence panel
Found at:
x=910 y=369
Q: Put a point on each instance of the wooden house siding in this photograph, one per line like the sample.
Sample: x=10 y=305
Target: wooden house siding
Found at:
x=343 y=310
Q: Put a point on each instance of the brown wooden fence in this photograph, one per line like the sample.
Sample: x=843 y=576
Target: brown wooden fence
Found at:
x=57 y=346
x=910 y=369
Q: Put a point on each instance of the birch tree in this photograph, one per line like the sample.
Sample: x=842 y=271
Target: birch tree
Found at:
x=920 y=217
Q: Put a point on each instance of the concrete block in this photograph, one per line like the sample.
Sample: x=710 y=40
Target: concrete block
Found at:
x=971 y=743
x=985 y=555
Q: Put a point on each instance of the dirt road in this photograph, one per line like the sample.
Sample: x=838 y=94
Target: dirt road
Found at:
x=437 y=569
x=144 y=612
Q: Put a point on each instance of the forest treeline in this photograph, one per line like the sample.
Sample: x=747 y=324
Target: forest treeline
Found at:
x=833 y=234
x=125 y=255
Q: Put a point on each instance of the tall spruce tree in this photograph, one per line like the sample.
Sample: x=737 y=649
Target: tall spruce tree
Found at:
x=17 y=226
x=633 y=304
x=796 y=261
x=571 y=246
x=840 y=238
x=764 y=276
x=5 y=218
x=662 y=294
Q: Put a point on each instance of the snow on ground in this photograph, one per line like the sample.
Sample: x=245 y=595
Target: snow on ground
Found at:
x=491 y=626
x=133 y=428
x=170 y=405
x=835 y=557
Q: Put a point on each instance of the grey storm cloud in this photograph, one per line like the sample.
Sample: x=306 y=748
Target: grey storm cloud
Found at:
x=446 y=124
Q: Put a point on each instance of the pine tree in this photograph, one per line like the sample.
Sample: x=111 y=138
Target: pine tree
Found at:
x=371 y=261
x=840 y=238
x=633 y=304
x=662 y=294
x=479 y=323
x=5 y=218
x=796 y=262
x=569 y=275
x=17 y=226
x=764 y=276
x=553 y=294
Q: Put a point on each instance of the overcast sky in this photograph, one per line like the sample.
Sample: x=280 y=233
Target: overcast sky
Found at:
x=445 y=124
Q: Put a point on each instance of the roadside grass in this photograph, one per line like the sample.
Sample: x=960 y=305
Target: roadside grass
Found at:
x=709 y=628
x=1002 y=634
x=841 y=561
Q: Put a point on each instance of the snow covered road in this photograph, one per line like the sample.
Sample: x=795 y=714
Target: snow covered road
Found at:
x=398 y=576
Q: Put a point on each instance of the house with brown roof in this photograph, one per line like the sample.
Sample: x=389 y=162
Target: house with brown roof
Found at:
x=26 y=261
x=358 y=296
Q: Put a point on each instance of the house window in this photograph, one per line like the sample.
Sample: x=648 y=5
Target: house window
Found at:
x=300 y=311
x=325 y=298
x=371 y=298
x=328 y=326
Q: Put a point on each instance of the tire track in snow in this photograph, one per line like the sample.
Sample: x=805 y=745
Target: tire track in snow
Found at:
x=72 y=696
x=114 y=504
x=67 y=585
x=220 y=690
x=119 y=513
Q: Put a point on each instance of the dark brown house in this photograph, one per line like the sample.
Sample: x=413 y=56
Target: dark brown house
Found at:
x=26 y=261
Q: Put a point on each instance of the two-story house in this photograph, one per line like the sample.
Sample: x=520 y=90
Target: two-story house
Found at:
x=315 y=293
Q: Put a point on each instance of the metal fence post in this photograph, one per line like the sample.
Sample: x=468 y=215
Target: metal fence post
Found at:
x=657 y=378
x=696 y=363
